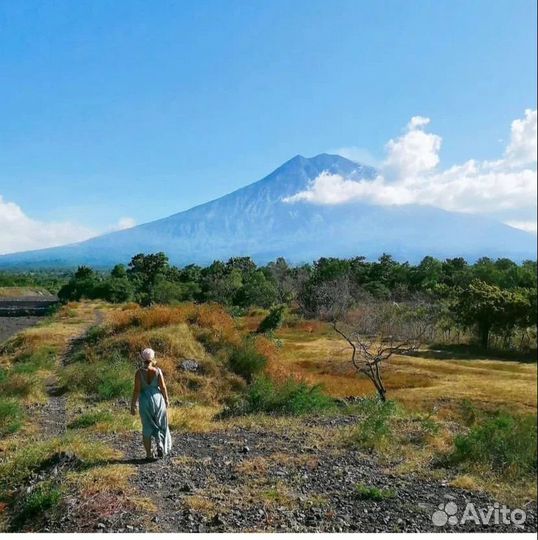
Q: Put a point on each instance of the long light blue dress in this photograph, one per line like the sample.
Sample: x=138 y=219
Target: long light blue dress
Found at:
x=153 y=411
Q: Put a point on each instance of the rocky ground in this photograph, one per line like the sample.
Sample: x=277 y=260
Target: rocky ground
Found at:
x=246 y=480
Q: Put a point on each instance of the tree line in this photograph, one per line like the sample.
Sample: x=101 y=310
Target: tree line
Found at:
x=488 y=296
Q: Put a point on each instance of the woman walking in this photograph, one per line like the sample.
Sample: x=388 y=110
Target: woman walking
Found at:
x=152 y=396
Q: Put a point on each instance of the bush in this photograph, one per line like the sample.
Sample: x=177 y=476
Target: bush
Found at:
x=374 y=429
x=273 y=321
x=501 y=442
x=246 y=361
x=11 y=416
x=288 y=397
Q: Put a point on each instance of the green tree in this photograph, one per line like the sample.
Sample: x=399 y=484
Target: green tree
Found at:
x=84 y=284
x=256 y=290
x=488 y=307
x=144 y=271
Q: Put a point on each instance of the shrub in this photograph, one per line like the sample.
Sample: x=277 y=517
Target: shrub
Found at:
x=246 y=361
x=11 y=416
x=503 y=443
x=370 y=493
x=288 y=397
x=273 y=321
x=374 y=429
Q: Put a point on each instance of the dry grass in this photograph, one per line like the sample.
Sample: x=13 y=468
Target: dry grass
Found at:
x=258 y=466
x=418 y=383
x=12 y=292
x=201 y=504
x=195 y=419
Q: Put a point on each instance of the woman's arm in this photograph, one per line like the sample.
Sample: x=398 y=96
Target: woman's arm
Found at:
x=163 y=388
x=136 y=392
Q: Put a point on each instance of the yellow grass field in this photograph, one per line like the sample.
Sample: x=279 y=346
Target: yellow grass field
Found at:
x=420 y=383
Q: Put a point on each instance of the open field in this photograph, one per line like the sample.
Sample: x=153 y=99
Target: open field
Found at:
x=70 y=452
x=420 y=383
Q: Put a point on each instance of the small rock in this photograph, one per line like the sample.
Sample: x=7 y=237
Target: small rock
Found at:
x=101 y=526
x=129 y=527
x=245 y=450
x=190 y=365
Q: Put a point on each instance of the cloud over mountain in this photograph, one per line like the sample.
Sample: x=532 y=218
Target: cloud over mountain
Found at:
x=505 y=188
x=19 y=232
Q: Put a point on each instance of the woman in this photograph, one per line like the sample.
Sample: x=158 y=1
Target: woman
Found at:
x=152 y=396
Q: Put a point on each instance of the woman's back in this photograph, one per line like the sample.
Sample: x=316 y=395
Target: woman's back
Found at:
x=149 y=377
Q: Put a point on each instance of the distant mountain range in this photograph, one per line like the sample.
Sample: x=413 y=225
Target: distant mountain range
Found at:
x=254 y=221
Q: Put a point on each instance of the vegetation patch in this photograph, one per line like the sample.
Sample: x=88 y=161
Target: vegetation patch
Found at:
x=104 y=421
x=502 y=444
x=11 y=416
x=288 y=397
x=44 y=500
x=372 y=493
x=246 y=361
x=374 y=429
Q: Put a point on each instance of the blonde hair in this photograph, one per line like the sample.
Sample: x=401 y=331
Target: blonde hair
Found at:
x=148 y=355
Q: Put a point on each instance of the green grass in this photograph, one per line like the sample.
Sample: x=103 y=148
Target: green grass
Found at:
x=18 y=466
x=371 y=493
x=104 y=420
x=91 y=418
x=289 y=397
x=105 y=380
x=11 y=416
x=43 y=358
x=502 y=443
x=44 y=499
x=374 y=429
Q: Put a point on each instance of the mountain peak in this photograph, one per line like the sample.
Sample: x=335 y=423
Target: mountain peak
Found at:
x=255 y=221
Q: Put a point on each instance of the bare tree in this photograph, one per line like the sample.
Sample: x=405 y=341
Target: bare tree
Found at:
x=377 y=331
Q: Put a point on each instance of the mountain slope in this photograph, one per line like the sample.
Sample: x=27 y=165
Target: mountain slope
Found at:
x=254 y=221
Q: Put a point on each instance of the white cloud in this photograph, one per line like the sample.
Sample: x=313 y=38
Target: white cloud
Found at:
x=409 y=175
x=529 y=226
x=522 y=147
x=413 y=153
x=18 y=232
x=124 y=223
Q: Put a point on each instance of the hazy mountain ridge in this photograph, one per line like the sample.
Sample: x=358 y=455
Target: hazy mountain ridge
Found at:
x=255 y=221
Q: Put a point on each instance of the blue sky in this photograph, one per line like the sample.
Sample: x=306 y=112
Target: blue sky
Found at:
x=142 y=109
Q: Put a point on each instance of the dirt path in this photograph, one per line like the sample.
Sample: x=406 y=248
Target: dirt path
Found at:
x=53 y=414
x=251 y=480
